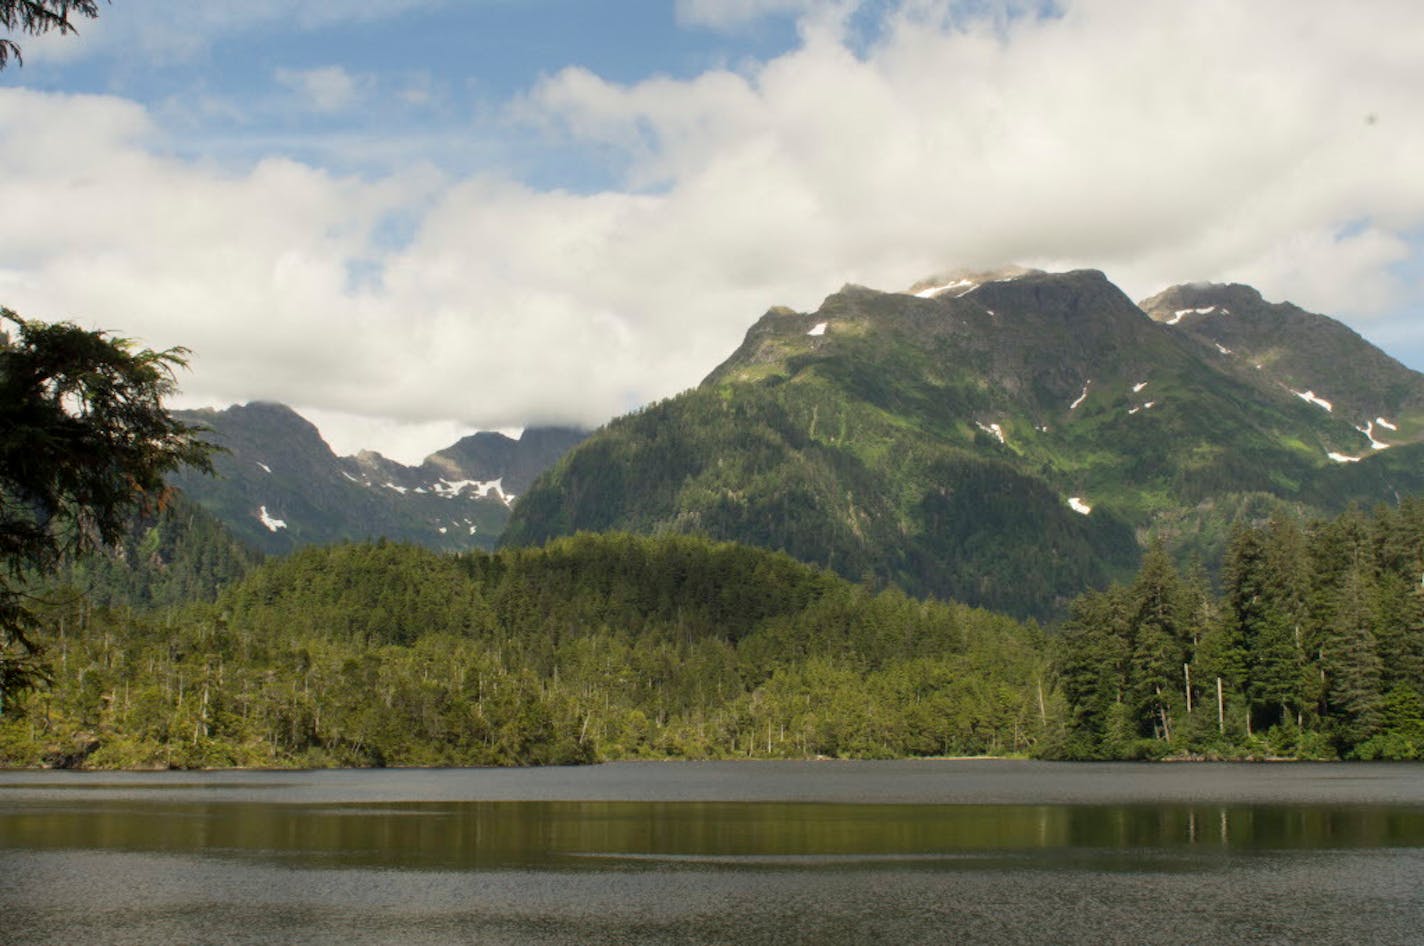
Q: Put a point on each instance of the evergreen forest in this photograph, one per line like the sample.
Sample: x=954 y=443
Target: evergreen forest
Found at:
x=592 y=647
x=1307 y=642
x=1313 y=647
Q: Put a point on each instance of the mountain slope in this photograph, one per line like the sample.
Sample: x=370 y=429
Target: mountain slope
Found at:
x=1313 y=356
x=174 y=556
x=996 y=439
x=279 y=486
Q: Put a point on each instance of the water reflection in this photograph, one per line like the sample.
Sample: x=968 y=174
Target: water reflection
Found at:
x=571 y=835
x=712 y=853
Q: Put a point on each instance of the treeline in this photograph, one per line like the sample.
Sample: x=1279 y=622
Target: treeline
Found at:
x=593 y=647
x=1313 y=647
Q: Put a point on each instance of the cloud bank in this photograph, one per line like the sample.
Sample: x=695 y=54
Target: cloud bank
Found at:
x=1161 y=142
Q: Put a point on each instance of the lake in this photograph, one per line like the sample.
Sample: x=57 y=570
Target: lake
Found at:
x=719 y=852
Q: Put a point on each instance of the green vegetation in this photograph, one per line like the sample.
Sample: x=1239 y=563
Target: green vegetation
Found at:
x=617 y=646
x=595 y=647
x=1313 y=648
x=176 y=555
x=864 y=455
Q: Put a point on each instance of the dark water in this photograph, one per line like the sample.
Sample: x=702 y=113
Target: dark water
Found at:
x=736 y=853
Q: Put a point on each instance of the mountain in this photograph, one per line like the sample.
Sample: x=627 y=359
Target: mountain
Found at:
x=279 y=486
x=1313 y=356
x=1006 y=439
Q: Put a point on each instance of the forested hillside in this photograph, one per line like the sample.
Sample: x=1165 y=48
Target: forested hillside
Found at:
x=594 y=647
x=176 y=555
x=618 y=646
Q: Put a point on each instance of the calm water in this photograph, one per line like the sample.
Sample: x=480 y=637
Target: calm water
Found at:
x=736 y=853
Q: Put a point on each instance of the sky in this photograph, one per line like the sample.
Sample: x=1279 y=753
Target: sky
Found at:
x=416 y=219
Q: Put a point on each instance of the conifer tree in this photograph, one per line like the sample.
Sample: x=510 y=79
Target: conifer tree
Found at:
x=1350 y=661
x=1158 y=633
x=36 y=17
x=85 y=442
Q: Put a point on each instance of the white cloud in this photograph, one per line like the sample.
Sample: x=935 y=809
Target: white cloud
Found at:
x=409 y=443
x=326 y=89
x=1154 y=140
x=1161 y=142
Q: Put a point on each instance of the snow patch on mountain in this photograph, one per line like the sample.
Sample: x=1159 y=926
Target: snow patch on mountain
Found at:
x=265 y=467
x=994 y=429
x=1179 y=314
x=1341 y=458
x=1311 y=397
x=480 y=488
x=967 y=285
x=819 y=329
x=271 y=522
x=1369 y=431
x=1137 y=388
x=1081 y=398
x=1076 y=504
x=1224 y=350
x=1385 y=424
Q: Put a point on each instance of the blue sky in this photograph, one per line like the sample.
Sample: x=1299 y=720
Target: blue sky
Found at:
x=417 y=219
x=434 y=80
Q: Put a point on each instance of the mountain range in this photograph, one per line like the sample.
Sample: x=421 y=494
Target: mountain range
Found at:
x=1007 y=438
x=279 y=486
x=1003 y=438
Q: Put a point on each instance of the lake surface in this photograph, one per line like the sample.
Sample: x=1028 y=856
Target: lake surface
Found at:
x=710 y=853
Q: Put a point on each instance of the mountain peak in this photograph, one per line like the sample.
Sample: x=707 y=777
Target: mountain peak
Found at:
x=959 y=282
x=1188 y=300
x=1303 y=352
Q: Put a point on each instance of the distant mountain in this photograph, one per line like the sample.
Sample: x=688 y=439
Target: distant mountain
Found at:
x=279 y=486
x=1001 y=438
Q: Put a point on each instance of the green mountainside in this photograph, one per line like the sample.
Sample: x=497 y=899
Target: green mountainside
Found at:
x=1006 y=441
x=279 y=486
x=176 y=555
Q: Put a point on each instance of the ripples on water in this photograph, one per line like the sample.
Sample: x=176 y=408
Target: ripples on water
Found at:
x=733 y=854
